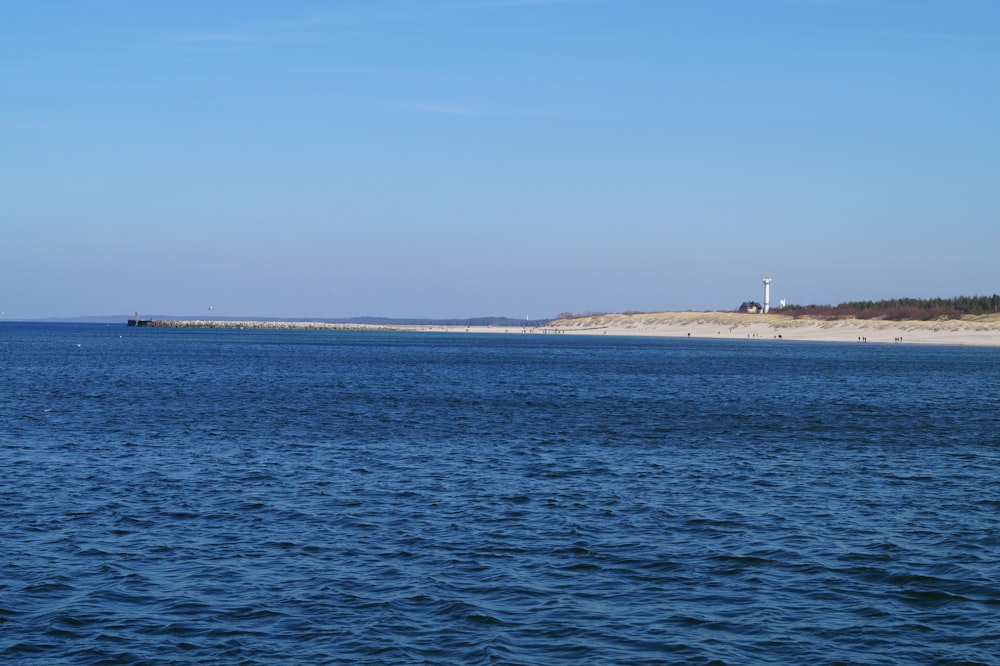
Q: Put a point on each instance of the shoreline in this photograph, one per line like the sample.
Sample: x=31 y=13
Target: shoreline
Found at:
x=982 y=331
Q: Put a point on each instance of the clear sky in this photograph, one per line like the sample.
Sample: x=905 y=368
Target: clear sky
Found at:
x=458 y=158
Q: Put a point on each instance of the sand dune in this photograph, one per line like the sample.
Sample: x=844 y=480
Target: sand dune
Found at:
x=972 y=330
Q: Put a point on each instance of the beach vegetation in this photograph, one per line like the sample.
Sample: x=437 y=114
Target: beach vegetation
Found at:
x=572 y=315
x=901 y=309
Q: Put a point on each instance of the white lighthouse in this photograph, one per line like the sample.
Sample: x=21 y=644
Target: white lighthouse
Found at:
x=767 y=294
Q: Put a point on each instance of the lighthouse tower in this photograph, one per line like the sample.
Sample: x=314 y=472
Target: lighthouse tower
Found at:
x=767 y=294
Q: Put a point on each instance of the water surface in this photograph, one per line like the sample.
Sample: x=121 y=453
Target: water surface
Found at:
x=225 y=496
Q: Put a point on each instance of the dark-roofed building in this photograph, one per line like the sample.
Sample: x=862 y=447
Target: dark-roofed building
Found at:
x=751 y=307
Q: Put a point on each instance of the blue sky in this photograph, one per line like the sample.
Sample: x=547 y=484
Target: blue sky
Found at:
x=457 y=158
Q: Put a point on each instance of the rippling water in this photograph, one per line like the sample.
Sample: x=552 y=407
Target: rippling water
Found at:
x=187 y=496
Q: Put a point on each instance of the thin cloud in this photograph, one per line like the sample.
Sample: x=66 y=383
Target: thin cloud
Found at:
x=945 y=37
x=438 y=109
x=469 y=112
x=313 y=27
x=216 y=38
x=287 y=30
x=501 y=4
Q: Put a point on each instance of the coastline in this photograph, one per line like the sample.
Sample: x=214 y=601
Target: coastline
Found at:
x=981 y=330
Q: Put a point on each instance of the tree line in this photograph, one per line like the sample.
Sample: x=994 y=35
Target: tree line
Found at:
x=902 y=308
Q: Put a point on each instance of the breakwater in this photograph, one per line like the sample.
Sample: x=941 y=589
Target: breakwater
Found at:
x=262 y=325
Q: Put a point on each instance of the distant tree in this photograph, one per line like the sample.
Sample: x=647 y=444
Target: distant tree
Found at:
x=903 y=308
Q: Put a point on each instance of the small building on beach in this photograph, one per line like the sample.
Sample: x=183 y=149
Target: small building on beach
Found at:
x=751 y=307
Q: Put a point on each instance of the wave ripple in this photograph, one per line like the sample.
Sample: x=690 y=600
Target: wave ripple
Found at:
x=186 y=497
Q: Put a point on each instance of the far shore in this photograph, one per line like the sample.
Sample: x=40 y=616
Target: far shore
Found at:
x=983 y=330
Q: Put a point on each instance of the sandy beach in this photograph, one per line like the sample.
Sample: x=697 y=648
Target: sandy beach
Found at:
x=981 y=330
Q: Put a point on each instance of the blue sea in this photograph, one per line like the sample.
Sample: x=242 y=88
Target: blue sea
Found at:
x=185 y=496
